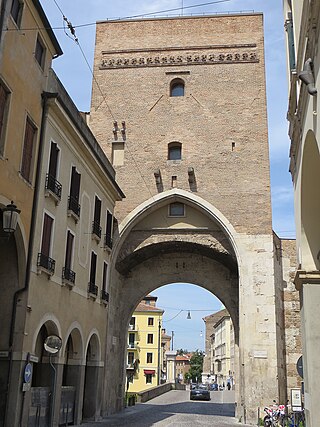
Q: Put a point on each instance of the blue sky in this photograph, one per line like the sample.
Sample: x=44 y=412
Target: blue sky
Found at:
x=75 y=74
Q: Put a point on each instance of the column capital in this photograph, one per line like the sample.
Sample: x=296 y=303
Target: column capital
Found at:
x=302 y=277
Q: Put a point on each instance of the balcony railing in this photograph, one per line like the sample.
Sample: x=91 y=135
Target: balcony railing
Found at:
x=104 y=296
x=53 y=185
x=133 y=327
x=92 y=289
x=132 y=345
x=46 y=262
x=108 y=241
x=96 y=229
x=68 y=275
x=74 y=206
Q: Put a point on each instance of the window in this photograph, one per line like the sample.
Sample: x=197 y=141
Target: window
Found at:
x=150 y=321
x=4 y=101
x=177 y=87
x=150 y=339
x=149 y=357
x=131 y=340
x=92 y=288
x=44 y=259
x=176 y=209
x=16 y=11
x=148 y=378
x=130 y=357
x=132 y=323
x=96 y=229
x=51 y=182
x=73 y=204
x=28 y=149
x=108 y=238
x=174 y=151
x=39 y=53
x=67 y=272
x=104 y=276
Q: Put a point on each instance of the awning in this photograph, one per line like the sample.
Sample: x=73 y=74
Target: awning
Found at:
x=149 y=371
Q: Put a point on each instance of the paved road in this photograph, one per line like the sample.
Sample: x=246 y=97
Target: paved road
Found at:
x=174 y=409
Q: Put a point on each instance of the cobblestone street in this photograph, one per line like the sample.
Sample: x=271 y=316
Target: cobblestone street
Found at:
x=175 y=409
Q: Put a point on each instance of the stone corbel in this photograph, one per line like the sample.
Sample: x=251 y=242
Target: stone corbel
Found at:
x=302 y=277
x=307 y=77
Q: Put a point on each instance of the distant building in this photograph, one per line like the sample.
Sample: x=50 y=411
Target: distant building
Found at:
x=165 y=346
x=218 y=365
x=182 y=365
x=144 y=348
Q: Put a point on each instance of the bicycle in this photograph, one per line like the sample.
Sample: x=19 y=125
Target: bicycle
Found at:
x=294 y=419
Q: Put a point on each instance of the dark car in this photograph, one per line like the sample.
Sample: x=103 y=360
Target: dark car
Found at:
x=200 y=392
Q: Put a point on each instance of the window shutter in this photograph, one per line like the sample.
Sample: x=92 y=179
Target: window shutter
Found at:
x=93 y=268
x=54 y=152
x=109 y=224
x=3 y=100
x=105 y=272
x=69 y=248
x=27 y=150
x=46 y=235
x=97 y=210
x=75 y=183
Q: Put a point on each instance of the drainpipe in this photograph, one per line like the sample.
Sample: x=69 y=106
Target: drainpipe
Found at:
x=45 y=97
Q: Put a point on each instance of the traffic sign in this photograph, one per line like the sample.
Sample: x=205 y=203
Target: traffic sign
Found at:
x=27 y=375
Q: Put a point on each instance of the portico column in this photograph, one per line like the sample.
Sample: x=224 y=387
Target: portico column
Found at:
x=308 y=283
x=171 y=366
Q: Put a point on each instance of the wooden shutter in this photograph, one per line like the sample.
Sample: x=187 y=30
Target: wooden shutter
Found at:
x=75 y=183
x=69 y=247
x=97 y=210
x=3 y=101
x=93 y=268
x=109 y=224
x=54 y=152
x=105 y=273
x=46 y=235
x=28 y=150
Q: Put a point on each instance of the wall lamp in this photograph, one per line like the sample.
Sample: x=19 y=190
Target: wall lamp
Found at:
x=10 y=215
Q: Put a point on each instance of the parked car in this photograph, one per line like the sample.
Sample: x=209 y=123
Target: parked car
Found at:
x=214 y=387
x=200 y=392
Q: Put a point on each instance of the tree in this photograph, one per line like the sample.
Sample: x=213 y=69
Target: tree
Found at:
x=196 y=365
x=181 y=352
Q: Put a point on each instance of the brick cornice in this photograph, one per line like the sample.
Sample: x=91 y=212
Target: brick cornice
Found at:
x=302 y=277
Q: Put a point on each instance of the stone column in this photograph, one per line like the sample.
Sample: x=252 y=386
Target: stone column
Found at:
x=308 y=283
x=171 y=366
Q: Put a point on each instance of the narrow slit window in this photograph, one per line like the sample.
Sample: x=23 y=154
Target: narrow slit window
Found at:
x=174 y=151
x=177 y=87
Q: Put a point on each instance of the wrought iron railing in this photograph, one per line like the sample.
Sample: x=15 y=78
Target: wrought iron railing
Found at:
x=53 y=185
x=92 y=289
x=96 y=229
x=73 y=205
x=108 y=241
x=104 y=296
x=46 y=262
x=68 y=274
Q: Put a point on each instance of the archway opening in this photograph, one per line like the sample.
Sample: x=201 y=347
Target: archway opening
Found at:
x=310 y=205
x=187 y=324
x=91 y=379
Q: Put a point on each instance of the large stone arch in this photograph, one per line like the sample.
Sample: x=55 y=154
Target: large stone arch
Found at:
x=310 y=204
x=229 y=264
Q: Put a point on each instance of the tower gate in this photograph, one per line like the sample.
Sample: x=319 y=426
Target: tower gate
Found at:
x=180 y=110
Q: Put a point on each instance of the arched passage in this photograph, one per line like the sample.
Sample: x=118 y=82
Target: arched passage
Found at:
x=71 y=377
x=310 y=205
x=92 y=379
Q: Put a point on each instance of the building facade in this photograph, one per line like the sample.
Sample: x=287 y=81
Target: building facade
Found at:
x=144 y=354
x=302 y=29
x=187 y=136
x=21 y=118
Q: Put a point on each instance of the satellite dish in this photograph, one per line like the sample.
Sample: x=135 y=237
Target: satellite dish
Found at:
x=52 y=344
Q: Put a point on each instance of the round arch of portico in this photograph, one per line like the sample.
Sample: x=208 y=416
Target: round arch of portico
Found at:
x=75 y=331
x=52 y=324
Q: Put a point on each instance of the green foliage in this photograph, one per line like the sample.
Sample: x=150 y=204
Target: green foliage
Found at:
x=196 y=365
x=181 y=352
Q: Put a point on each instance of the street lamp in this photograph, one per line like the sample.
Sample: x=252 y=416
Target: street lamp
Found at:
x=10 y=216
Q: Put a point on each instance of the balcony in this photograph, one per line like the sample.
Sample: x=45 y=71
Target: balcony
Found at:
x=133 y=346
x=104 y=296
x=46 y=264
x=108 y=241
x=68 y=277
x=96 y=231
x=53 y=188
x=73 y=208
x=92 y=290
x=133 y=327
